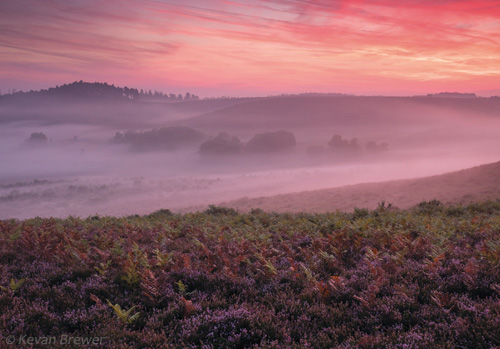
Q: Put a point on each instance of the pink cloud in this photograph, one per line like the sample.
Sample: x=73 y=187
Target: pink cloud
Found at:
x=351 y=46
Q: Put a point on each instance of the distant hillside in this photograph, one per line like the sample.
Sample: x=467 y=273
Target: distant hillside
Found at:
x=355 y=112
x=453 y=95
x=96 y=90
x=470 y=185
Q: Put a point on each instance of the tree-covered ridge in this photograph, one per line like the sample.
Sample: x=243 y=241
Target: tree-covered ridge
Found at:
x=98 y=90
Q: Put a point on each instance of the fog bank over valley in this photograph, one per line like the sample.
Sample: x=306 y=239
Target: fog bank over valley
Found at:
x=130 y=155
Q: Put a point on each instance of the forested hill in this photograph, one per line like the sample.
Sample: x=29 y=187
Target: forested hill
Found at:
x=95 y=91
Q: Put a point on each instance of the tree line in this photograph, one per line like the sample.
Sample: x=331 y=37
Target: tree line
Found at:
x=98 y=90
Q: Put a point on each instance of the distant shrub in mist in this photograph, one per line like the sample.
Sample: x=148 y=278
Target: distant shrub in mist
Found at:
x=340 y=145
x=221 y=145
x=343 y=147
x=271 y=142
x=166 y=138
x=37 y=138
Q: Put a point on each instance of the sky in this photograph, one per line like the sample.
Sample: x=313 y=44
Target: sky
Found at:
x=261 y=47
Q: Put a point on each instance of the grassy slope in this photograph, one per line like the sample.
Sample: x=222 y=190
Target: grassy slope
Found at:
x=475 y=184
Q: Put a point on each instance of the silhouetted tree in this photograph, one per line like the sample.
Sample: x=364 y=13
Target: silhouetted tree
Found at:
x=271 y=141
x=167 y=138
x=220 y=145
x=37 y=138
x=340 y=145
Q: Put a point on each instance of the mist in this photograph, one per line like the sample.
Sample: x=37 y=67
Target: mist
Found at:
x=64 y=157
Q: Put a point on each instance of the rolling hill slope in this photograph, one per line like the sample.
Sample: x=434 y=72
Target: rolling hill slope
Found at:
x=299 y=112
x=465 y=186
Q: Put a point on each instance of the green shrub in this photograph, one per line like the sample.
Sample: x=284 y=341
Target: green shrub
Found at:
x=430 y=207
x=220 y=211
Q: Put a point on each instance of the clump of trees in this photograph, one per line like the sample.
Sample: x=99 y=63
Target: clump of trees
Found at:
x=268 y=142
x=37 y=138
x=271 y=142
x=346 y=147
x=222 y=144
x=165 y=138
x=340 y=145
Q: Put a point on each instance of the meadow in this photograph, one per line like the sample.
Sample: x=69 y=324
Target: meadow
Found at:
x=384 y=278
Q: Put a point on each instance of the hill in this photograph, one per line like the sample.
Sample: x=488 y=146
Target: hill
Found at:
x=465 y=186
x=336 y=112
x=95 y=90
x=104 y=105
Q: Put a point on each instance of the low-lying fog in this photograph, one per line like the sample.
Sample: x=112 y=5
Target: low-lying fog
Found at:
x=83 y=159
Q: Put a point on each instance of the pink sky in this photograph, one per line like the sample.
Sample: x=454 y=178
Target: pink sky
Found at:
x=243 y=47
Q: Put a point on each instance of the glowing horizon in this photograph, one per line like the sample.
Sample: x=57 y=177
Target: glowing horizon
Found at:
x=243 y=47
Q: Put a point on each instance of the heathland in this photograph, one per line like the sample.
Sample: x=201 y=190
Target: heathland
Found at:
x=419 y=278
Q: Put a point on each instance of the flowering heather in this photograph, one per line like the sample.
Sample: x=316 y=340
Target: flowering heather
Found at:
x=427 y=277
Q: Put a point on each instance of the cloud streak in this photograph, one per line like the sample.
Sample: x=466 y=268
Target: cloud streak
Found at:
x=355 y=46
